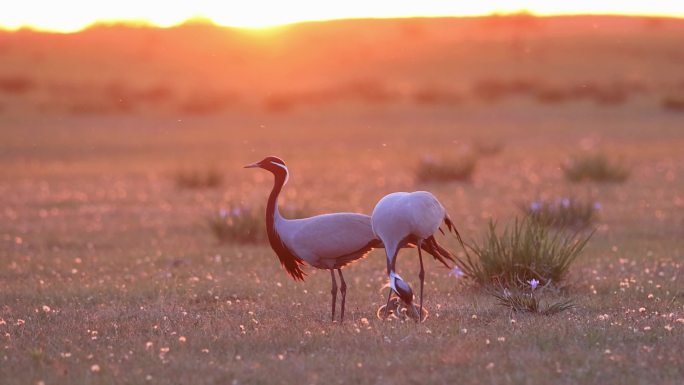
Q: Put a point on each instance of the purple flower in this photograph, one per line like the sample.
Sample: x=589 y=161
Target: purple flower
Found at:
x=533 y=283
x=565 y=203
x=429 y=159
x=456 y=272
x=236 y=212
x=598 y=206
x=534 y=206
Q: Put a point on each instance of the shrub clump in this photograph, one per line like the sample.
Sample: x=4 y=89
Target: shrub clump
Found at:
x=239 y=224
x=246 y=225
x=673 y=103
x=566 y=212
x=15 y=84
x=459 y=168
x=594 y=167
x=488 y=147
x=525 y=251
x=198 y=179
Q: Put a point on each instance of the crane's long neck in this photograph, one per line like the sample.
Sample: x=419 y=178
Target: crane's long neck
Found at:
x=288 y=259
x=272 y=212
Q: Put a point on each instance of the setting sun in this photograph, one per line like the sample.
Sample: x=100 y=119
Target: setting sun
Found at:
x=73 y=15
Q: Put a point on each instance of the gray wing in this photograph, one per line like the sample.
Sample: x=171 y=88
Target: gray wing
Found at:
x=426 y=213
x=331 y=240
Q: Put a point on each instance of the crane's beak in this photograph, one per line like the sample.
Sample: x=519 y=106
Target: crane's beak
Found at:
x=253 y=165
x=415 y=314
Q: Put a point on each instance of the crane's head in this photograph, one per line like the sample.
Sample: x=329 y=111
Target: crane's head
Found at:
x=272 y=164
x=400 y=287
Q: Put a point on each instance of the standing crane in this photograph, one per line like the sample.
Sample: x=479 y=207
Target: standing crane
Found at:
x=328 y=241
x=400 y=219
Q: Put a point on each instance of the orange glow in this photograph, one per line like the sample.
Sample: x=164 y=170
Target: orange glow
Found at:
x=74 y=15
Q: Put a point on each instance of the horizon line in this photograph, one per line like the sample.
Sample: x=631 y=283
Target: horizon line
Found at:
x=203 y=20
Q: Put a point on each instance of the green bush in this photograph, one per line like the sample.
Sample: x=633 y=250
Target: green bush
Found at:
x=524 y=251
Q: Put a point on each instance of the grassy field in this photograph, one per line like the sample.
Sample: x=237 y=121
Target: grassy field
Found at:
x=109 y=272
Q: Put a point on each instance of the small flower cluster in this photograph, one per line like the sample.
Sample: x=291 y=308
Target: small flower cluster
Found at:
x=533 y=283
x=528 y=299
x=235 y=212
x=456 y=272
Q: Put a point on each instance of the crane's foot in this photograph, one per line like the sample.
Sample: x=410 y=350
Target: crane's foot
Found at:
x=397 y=309
x=389 y=311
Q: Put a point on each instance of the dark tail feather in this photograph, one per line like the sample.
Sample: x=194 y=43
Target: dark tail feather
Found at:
x=441 y=254
x=450 y=225
x=468 y=265
x=294 y=268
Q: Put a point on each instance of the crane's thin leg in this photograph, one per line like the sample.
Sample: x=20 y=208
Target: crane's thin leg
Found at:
x=390 y=266
x=343 y=290
x=421 y=275
x=333 y=292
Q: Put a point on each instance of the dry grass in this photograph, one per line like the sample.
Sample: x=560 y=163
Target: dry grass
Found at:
x=136 y=285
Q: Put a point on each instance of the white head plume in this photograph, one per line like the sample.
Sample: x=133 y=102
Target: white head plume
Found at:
x=287 y=173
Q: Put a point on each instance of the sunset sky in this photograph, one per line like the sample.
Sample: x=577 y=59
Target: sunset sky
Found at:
x=72 y=15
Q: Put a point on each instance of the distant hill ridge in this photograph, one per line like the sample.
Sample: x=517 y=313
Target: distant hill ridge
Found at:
x=314 y=59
